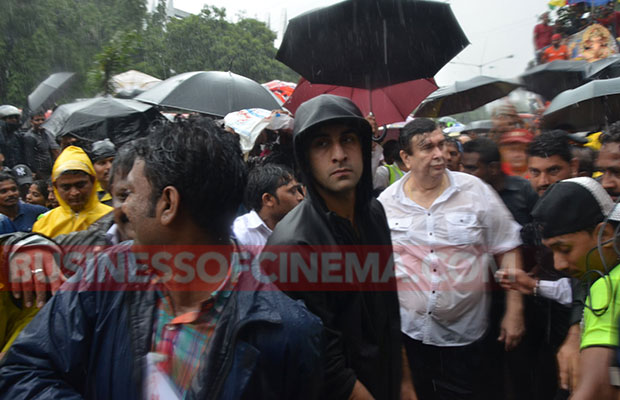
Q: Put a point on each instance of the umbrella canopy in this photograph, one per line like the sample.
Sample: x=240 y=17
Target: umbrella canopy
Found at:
x=591 y=106
x=49 y=91
x=464 y=96
x=604 y=69
x=280 y=89
x=389 y=104
x=209 y=92
x=372 y=43
x=133 y=82
x=102 y=117
x=481 y=126
x=552 y=78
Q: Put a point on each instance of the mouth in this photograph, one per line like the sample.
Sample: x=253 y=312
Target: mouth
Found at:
x=341 y=172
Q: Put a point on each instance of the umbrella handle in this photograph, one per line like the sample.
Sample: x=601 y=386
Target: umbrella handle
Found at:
x=380 y=138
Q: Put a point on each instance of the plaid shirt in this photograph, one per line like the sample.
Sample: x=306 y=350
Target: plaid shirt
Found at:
x=184 y=339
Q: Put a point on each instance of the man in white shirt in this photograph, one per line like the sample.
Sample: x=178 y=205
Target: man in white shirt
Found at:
x=446 y=227
x=271 y=192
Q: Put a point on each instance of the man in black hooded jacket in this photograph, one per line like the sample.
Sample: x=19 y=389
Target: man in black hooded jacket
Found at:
x=332 y=142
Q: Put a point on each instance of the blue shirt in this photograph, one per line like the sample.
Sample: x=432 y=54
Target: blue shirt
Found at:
x=27 y=215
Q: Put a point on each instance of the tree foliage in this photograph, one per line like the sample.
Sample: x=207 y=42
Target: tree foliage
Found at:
x=99 y=38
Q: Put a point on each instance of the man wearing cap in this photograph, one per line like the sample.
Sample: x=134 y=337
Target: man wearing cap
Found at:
x=73 y=178
x=12 y=146
x=40 y=148
x=573 y=214
x=556 y=51
x=332 y=142
x=446 y=227
x=102 y=156
x=512 y=147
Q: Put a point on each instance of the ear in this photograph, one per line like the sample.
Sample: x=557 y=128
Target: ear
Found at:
x=574 y=166
x=168 y=206
x=268 y=200
x=406 y=158
x=608 y=233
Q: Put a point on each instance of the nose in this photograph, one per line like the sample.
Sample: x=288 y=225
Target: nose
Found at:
x=338 y=153
x=299 y=196
x=559 y=262
x=74 y=191
x=608 y=183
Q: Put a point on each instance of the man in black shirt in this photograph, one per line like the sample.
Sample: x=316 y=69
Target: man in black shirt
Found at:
x=40 y=149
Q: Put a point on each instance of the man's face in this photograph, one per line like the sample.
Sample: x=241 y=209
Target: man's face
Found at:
x=544 y=172
x=426 y=154
x=556 y=43
x=514 y=154
x=335 y=157
x=36 y=121
x=287 y=197
x=472 y=165
x=570 y=252
x=75 y=189
x=137 y=207
x=452 y=156
x=608 y=162
x=102 y=170
x=9 y=194
x=119 y=192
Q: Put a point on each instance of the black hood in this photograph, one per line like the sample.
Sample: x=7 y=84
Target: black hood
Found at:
x=330 y=109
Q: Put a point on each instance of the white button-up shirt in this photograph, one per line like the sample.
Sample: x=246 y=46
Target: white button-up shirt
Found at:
x=251 y=231
x=443 y=255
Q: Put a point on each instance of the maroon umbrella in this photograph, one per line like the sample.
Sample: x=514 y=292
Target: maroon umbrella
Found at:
x=389 y=104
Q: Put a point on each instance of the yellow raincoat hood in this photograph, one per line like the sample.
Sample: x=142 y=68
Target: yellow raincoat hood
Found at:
x=63 y=219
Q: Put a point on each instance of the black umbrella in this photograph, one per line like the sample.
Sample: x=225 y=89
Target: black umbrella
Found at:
x=371 y=44
x=49 y=91
x=103 y=117
x=591 y=106
x=464 y=96
x=552 y=78
x=604 y=69
x=209 y=92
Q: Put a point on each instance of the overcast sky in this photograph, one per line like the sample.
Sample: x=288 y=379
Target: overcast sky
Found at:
x=495 y=28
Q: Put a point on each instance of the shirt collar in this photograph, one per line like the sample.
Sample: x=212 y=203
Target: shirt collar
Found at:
x=453 y=187
x=254 y=221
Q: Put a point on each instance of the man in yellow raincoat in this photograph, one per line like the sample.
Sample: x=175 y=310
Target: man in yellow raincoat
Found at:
x=73 y=178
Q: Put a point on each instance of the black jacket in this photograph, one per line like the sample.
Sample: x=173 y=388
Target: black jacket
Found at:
x=362 y=327
x=92 y=343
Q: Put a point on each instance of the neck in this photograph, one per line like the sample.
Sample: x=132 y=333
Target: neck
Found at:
x=267 y=218
x=10 y=211
x=424 y=191
x=184 y=301
x=498 y=182
x=426 y=183
x=342 y=203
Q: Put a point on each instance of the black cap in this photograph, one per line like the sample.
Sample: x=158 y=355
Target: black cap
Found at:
x=573 y=205
x=102 y=149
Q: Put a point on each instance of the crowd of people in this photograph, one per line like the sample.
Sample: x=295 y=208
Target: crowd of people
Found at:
x=320 y=265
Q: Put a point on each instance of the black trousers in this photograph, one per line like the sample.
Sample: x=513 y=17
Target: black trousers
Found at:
x=444 y=373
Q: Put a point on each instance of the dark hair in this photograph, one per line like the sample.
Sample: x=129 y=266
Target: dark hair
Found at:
x=549 y=144
x=586 y=157
x=204 y=163
x=391 y=150
x=6 y=176
x=611 y=134
x=263 y=179
x=125 y=157
x=416 y=127
x=486 y=148
x=41 y=187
